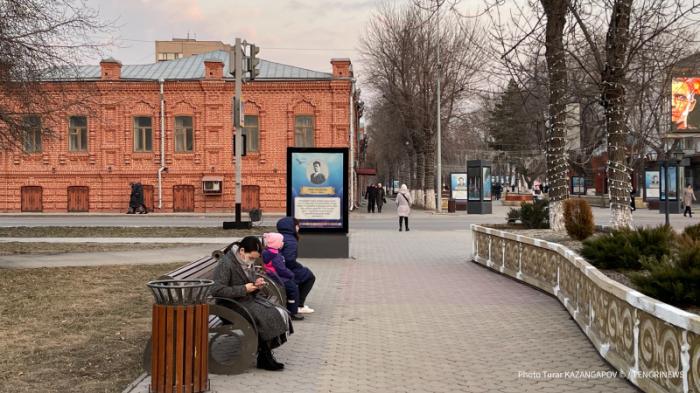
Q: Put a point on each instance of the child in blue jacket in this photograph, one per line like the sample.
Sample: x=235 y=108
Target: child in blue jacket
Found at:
x=276 y=268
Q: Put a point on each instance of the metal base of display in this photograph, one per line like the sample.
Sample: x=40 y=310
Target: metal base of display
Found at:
x=479 y=207
x=674 y=207
x=238 y=224
x=324 y=245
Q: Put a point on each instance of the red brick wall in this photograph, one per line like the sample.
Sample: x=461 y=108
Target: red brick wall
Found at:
x=110 y=162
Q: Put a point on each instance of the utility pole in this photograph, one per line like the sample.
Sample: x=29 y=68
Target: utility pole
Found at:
x=237 y=112
x=439 y=130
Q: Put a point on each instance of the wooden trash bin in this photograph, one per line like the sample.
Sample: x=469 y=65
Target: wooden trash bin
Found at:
x=180 y=335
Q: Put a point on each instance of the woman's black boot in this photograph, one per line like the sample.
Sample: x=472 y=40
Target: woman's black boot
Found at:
x=266 y=361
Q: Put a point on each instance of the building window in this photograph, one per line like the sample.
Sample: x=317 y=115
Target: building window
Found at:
x=184 y=135
x=169 y=56
x=77 y=133
x=32 y=134
x=251 y=131
x=304 y=131
x=143 y=134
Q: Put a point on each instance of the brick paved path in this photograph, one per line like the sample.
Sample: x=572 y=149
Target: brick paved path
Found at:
x=410 y=314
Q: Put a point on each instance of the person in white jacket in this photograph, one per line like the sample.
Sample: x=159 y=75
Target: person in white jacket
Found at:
x=404 y=202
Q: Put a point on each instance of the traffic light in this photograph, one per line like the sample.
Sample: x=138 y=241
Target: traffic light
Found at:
x=253 y=61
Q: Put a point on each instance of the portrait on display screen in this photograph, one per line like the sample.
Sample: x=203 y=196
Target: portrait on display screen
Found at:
x=683 y=104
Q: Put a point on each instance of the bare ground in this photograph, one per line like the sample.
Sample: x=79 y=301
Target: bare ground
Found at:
x=74 y=329
x=130 y=232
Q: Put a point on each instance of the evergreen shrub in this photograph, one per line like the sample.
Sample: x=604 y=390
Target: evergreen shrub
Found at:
x=623 y=249
x=535 y=215
x=675 y=278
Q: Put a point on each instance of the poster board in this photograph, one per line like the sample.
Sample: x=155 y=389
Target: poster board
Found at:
x=317 y=189
x=458 y=186
x=652 y=183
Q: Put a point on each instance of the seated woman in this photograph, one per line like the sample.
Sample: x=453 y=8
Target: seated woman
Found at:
x=277 y=270
x=289 y=228
x=234 y=278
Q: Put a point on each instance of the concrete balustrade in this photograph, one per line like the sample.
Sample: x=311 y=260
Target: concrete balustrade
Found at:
x=654 y=345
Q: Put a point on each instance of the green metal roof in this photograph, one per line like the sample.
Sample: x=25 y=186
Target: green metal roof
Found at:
x=189 y=68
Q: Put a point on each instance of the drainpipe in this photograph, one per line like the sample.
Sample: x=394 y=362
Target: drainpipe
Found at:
x=352 y=145
x=162 y=146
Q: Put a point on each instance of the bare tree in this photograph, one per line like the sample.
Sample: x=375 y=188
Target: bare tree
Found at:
x=631 y=30
x=400 y=50
x=41 y=40
x=557 y=165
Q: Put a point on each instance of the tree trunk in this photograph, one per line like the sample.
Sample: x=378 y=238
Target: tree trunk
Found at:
x=420 y=179
x=557 y=164
x=613 y=99
x=429 y=186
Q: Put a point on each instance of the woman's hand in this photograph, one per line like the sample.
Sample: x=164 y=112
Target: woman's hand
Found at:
x=250 y=287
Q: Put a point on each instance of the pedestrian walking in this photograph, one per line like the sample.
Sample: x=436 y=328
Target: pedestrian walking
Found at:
x=633 y=206
x=497 y=189
x=404 y=202
x=688 y=198
x=381 y=197
x=136 y=203
x=371 y=198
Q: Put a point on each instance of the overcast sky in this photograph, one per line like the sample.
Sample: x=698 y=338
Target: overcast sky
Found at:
x=303 y=33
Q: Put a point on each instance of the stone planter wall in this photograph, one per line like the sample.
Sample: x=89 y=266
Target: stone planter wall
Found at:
x=655 y=345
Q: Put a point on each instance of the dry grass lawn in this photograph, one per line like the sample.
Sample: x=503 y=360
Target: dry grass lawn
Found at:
x=74 y=329
x=130 y=231
x=15 y=248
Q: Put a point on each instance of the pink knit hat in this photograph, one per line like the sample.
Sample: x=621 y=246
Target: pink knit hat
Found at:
x=274 y=240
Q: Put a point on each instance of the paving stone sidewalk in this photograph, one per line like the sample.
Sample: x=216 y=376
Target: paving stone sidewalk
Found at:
x=410 y=314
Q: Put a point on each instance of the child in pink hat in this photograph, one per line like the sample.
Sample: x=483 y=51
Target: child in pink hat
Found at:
x=277 y=270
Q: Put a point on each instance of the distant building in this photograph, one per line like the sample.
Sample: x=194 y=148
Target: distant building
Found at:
x=178 y=48
x=183 y=154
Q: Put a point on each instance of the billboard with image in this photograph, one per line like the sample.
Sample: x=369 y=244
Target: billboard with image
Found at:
x=317 y=184
x=685 y=116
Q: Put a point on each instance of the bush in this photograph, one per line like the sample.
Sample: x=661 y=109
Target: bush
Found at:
x=535 y=215
x=674 y=279
x=513 y=215
x=578 y=218
x=623 y=249
x=692 y=231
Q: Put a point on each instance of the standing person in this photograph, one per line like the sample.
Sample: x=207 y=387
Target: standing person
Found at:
x=370 y=196
x=232 y=280
x=497 y=189
x=381 y=197
x=688 y=198
x=305 y=279
x=404 y=202
x=277 y=270
x=633 y=206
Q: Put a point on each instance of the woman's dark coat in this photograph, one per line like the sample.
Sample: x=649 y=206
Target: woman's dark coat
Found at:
x=229 y=282
x=286 y=227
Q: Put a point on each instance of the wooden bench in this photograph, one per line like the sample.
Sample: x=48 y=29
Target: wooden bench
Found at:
x=233 y=338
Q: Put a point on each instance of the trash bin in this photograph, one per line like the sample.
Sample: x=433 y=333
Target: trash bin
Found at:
x=180 y=335
x=451 y=206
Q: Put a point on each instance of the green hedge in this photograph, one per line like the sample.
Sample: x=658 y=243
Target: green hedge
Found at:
x=675 y=278
x=623 y=249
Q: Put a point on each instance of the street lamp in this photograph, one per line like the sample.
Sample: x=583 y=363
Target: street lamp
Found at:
x=674 y=155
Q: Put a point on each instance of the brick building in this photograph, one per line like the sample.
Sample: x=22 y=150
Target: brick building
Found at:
x=168 y=125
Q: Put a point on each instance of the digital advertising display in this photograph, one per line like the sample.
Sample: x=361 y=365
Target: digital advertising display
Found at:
x=684 y=115
x=487 y=183
x=317 y=187
x=458 y=186
x=652 y=183
x=672 y=194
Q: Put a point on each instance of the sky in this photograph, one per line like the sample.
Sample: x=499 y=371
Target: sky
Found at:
x=303 y=33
